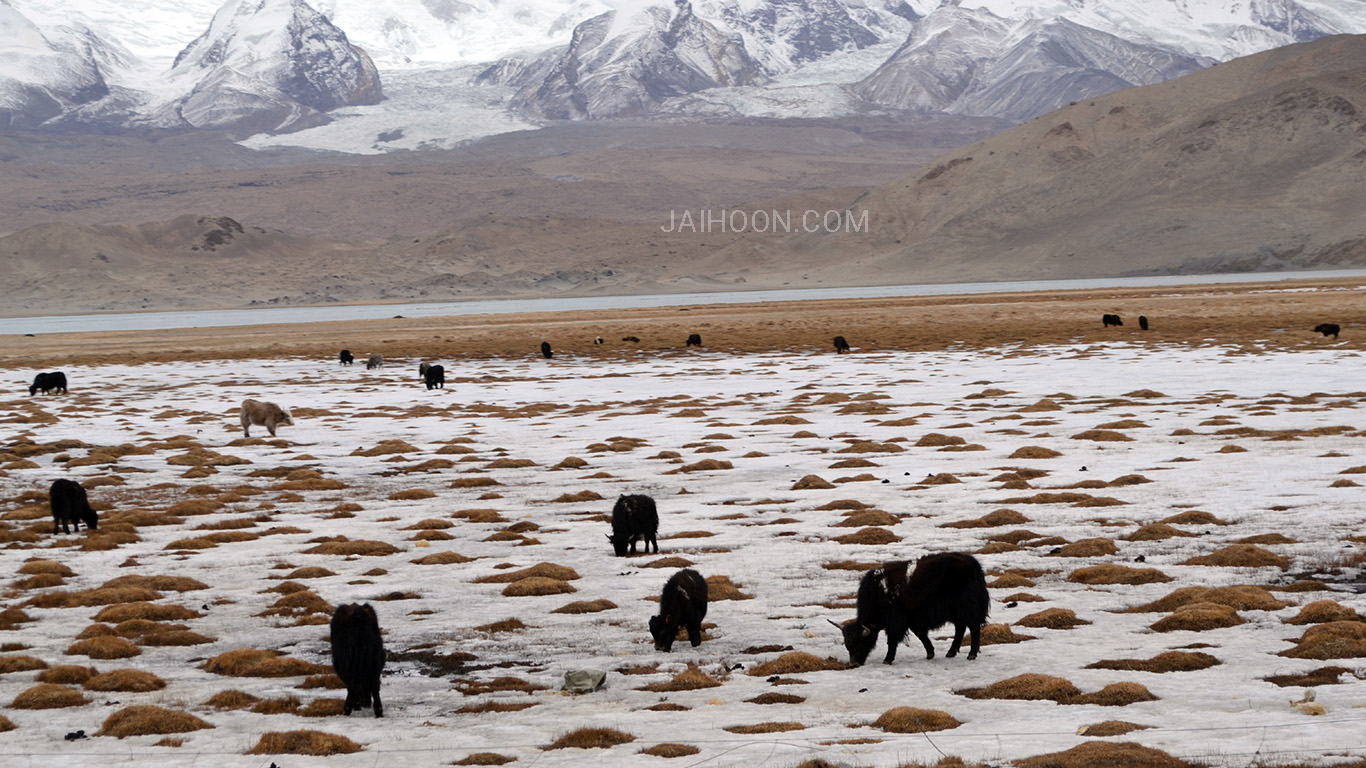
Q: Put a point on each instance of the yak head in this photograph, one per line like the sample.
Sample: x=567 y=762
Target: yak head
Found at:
x=859 y=640
x=90 y=517
x=286 y=420
x=664 y=632
x=620 y=543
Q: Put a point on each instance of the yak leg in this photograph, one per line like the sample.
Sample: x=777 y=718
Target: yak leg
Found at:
x=976 y=631
x=656 y=546
x=896 y=632
x=350 y=701
x=695 y=633
x=374 y=694
x=957 y=640
x=924 y=636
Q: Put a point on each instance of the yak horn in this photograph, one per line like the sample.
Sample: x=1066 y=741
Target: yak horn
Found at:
x=836 y=626
x=867 y=631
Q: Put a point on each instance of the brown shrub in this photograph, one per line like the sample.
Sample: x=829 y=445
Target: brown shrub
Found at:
x=20 y=664
x=943 y=478
x=573 y=498
x=1311 y=679
x=66 y=674
x=1093 y=754
x=993 y=519
x=1030 y=686
x=1110 y=728
x=117 y=614
x=303 y=743
x=385 y=448
x=48 y=696
x=125 y=680
x=253 y=662
x=1112 y=573
x=690 y=679
x=536 y=586
x=1335 y=640
x=232 y=699
x=323 y=708
x=795 y=663
x=867 y=517
x=411 y=494
x=1322 y=612
x=1198 y=617
x=498 y=684
x=586 y=606
x=1241 y=556
x=1098 y=547
x=668 y=749
x=92 y=597
x=1157 y=532
x=345 y=547
x=912 y=720
x=443 y=558
x=103 y=647
x=1103 y=436
x=39 y=565
x=1002 y=634
x=1167 y=661
x=506 y=625
x=1193 y=517
x=1243 y=597
x=705 y=465
x=1116 y=695
x=776 y=698
x=1052 y=618
x=669 y=562
x=812 y=482
x=591 y=738
x=540 y=570
x=11 y=618
x=1035 y=452
x=6 y=724
x=147 y=720
x=475 y=481
x=869 y=536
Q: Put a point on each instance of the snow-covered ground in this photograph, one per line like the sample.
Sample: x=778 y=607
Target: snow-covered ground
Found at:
x=874 y=425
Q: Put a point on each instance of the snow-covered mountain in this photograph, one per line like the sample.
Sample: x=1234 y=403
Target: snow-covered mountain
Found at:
x=43 y=75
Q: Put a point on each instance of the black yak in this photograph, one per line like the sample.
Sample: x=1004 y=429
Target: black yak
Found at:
x=346 y=357
x=1327 y=329
x=358 y=655
x=435 y=376
x=599 y=340
x=1142 y=322
x=546 y=352
x=375 y=361
x=1109 y=320
x=682 y=604
x=943 y=588
x=70 y=506
x=262 y=413
x=634 y=518
x=694 y=339
x=632 y=339
x=841 y=346
x=422 y=369
x=48 y=382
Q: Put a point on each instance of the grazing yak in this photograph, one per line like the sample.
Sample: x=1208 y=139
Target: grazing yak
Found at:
x=682 y=604
x=599 y=340
x=841 y=346
x=262 y=413
x=943 y=588
x=1109 y=320
x=634 y=518
x=1327 y=329
x=632 y=339
x=434 y=376
x=358 y=655
x=70 y=506
x=375 y=361
x=694 y=339
x=422 y=370
x=346 y=357
x=546 y=352
x=1142 y=322
x=48 y=382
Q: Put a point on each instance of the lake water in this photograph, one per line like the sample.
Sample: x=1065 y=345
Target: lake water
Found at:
x=138 y=321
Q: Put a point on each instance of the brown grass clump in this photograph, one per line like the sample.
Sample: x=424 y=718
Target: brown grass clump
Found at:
x=345 y=547
x=147 y=720
x=1267 y=538
x=118 y=614
x=705 y=465
x=485 y=758
x=253 y=662
x=475 y=481
x=20 y=664
x=1198 y=617
x=586 y=606
x=1335 y=640
x=796 y=663
x=1112 y=573
x=66 y=674
x=91 y=597
x=536 y=586
x=1029 y=686
x=1157 y=532
x=1312 y=679
x=1116 y=695
x=766 y=728
x=1243 y=597
x=1167 y=661
x=310 y=572
x=1098 y=547
x=812 y=482
x=125 y=680
x=572 y=498
x=386 y=447
x=776 y=698
x=541 y=570
x=1241 y=556
x=912 y=720
x=103 y=647
x=1095 y=754
x=1323 y=612
x=592 y=738
x=992 y=519
x=867 y=517
x=1103 y=436
x=1193 y=517
x=1002 y=634
x=232 y=699
x=39 y=565
x=669 y=562
x=720 y=587
x=1053 y=618
x=869 y=536
x=6 y=724
x=1035 y=452
x=495 y=706
x=443 y=558
x=506 y=625
x=690 y=679
x=668 y=749
x=411 y=494
x=303 y=743
x=1110 y=728
x=498 y=684
x=48 y=696
x=11 y=618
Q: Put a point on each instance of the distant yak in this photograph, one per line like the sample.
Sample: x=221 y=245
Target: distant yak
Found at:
x=1109 y=320
x=694 y=339
x=841 y=346
x=346 y=357
x=1143 y=322
x=46 y=382
x=375 y=361
x=435 y=376
x=70 y=506
x=358 y=656
x=683 y=604
x=268 y=415
x=632 y=339
x=1328 y=329
x=546 y=351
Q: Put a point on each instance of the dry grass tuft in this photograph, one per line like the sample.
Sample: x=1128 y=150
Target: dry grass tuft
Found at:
x=1157 y=532
x=1103 y=436
x=812 y=482
x=776 y=698
x=795 y=663
x=690 y=679
x=574 y=498
x=303 y=743
x=11 y=618
x=48 y=696
x=20 y=664
x=1029 y=686
x=1167 y=661
x=1323 y=612
x=669 y=562
x=1112 y=573
x=443 y=558
x=1035 y=452
x=1094 y=754
x=1193 y=517
x=1052 y=618
x=1311 y=679
x=6 y=724
x=1110 y=728
x=117 y=614
x=1116 y=695
x=586 y=606
x=1241 y=556
x=148 y=720
x=866 y=518
x=1199 y=617
x=1335 y=640
x=1098 y=547
x=345 y=547
x=539 y=570
x=869 y=536
x=912 y=720
x=766 y=728
x=720 y=587
x=1002 y=634
x=497 y=706
x=536 y=586
x=253 y=662
x=668 y=749
x=485 y=758
x=474 y=481
x=498 y=684
x=103 y=647
x=125 y=681
x=1243 y=597
x=232 y=699
x=412 y=494
x=992 y=519
x=506 y=625
x=66 y=674
x=39 y=565
x=592 y=738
